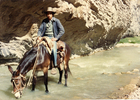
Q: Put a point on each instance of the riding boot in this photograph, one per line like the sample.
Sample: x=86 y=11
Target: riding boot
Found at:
x=53 y=71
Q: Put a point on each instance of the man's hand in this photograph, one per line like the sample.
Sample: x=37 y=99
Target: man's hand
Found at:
x=54 y=39
x=38 y=38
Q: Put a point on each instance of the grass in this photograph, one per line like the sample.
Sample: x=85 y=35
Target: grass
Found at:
x=130 y=40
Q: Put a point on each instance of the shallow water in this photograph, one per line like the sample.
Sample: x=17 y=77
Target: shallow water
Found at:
x=87 y=81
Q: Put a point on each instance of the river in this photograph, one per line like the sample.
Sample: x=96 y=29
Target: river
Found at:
x=87 y=80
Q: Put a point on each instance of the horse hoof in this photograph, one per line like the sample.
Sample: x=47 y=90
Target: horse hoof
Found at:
x=65 y=85
x=47 y=92
x=59 y=82
x=32 y=90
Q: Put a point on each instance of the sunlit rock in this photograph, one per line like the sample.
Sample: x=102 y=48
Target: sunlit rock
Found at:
x=89 y=24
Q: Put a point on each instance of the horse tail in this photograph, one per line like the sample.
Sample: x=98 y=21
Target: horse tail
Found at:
x=68 y=53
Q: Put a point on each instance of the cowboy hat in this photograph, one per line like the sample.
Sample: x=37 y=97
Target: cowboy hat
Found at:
x=49 y=9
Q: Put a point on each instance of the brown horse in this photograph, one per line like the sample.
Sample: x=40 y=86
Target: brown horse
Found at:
x=42 y=63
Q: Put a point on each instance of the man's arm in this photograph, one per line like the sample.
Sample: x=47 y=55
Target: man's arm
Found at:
x=60 y=28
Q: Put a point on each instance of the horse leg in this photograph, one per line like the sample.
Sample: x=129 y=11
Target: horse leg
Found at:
x=60 y=75
x=66 y=72
x=34 y=81
x=45 y=70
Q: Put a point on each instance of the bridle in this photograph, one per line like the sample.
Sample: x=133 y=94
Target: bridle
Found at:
x=19 y=78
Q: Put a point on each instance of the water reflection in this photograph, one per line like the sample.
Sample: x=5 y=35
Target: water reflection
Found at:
x=87 y=81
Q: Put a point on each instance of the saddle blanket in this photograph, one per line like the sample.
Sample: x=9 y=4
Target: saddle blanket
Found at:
x=49 y=44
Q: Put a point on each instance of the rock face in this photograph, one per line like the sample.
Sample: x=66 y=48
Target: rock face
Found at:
x=134 y=29
x=89 y=24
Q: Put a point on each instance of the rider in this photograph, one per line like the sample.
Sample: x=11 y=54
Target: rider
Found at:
x=52 y=28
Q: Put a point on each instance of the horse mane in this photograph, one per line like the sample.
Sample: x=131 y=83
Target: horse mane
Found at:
x=27 y=59
x=33 y=49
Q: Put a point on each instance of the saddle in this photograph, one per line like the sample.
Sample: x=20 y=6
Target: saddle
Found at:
x=49 y=45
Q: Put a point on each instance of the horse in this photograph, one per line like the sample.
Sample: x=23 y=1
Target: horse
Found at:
x=40 y=57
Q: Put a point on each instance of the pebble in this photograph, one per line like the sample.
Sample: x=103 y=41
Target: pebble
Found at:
x=121 y=88
x=105 y=73
x=135 y=70
x=118 y=73
x=128 y=72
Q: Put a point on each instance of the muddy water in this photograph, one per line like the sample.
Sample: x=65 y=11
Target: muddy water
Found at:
x=87 y=81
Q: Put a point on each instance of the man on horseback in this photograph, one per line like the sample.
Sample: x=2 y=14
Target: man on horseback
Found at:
x=52 y=28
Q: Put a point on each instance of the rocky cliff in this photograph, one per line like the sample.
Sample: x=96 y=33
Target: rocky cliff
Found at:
x=134 y=29
x=89 y=24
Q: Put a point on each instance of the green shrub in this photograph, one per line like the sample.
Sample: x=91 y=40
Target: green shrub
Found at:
x=130 y=40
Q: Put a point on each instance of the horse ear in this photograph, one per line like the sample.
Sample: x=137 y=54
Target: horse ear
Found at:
x=10 y=69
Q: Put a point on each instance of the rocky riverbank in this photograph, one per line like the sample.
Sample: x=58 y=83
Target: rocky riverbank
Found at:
x=129 y=91
x=135 y=94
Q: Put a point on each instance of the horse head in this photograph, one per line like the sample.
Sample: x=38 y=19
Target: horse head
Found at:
x=18 y=81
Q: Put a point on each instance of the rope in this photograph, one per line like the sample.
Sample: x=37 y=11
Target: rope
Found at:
x=33 y=71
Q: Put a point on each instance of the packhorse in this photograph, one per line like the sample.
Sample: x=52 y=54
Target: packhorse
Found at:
x=38 y=58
